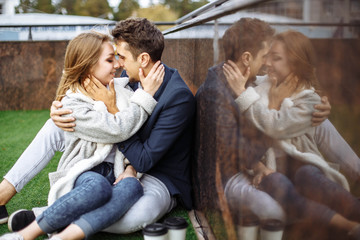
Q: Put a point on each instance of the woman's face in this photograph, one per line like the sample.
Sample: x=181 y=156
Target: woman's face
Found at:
x=104 y=70
x=277 y=62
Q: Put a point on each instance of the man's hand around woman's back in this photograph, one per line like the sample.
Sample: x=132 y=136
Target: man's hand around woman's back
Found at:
x=65 y=123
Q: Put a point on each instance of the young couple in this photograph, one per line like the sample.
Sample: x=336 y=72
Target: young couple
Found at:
x=280 y=106
x=114 y=129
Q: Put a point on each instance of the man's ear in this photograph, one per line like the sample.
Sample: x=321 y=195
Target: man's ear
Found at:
x=246 y=58
x=144 y=59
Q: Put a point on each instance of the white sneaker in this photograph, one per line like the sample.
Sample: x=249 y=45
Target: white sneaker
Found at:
x=11 y=236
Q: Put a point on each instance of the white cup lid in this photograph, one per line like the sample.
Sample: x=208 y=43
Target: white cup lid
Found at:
x=175 y=223
x=155 y=229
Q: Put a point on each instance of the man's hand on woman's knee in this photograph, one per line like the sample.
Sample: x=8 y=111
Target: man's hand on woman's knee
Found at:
x=65 y=123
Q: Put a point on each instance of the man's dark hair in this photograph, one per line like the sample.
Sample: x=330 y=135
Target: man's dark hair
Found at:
x=141 y=35
x=247 y=34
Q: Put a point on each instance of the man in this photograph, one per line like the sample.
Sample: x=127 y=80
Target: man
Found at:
x=246 y=43
x=226 y=143
x=229 y=145
x=162 y=148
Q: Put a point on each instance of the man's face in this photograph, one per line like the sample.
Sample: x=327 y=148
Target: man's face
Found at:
x=127 y=61
x=259 y=60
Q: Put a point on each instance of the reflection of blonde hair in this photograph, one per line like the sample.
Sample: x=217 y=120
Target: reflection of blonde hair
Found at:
x=301 y=55
x=82 y=53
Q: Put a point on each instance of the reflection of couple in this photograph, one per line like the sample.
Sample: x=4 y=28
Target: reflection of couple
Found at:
x=121 y=129
x=280 y=106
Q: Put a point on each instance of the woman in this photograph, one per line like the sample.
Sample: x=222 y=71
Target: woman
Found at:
x=92 y=172
x=281 y=106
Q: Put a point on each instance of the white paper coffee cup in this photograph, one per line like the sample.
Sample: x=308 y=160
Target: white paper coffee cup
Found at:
x=155 y=231
x=248 y=228
x=247 y=232
x=177 y=228
x=271 y=229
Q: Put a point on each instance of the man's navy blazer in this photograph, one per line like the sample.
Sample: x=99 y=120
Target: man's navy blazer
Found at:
x=162 y=147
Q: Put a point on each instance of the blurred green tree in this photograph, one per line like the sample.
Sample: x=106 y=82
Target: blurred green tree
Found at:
x=126 y=9
x=97 y=8
x=101 y=8
x=66 y=7
x=94 y=8
x=157 y=13
x=25 y=6
x=31 y=6
x=183 y=7
x=44 y=6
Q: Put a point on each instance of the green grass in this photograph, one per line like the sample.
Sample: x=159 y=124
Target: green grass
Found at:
x=18 y=128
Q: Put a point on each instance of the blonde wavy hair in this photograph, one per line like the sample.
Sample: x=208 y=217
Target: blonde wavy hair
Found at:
x=82 y=53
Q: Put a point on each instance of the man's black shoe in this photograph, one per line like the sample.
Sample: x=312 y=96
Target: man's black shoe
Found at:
x=20 y=219
x=4 y=216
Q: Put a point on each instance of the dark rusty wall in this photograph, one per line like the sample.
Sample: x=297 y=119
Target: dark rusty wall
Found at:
x=192 y=57
x=338 y=69
x=29 y=73
x=339 y=75
x=338 y=65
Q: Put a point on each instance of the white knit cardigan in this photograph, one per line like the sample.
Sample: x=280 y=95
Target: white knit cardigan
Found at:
x=290 y=126
x=96 y=132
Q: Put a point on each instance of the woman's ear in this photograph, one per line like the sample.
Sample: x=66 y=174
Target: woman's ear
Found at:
x=144 y=59
x=246 y=58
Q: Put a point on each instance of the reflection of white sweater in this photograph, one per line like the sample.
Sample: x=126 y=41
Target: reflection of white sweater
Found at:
x=96 y=132
x=290 y=126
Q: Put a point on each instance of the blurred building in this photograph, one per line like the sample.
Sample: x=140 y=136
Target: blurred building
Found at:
x=314 y=18
x=320 y=11
x=341 y=12
x=7 y=7
x=42 y=26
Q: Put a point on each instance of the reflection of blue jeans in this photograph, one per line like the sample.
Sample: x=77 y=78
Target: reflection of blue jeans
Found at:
x=94 y=203
x=295 y=205
x=243 y=197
